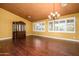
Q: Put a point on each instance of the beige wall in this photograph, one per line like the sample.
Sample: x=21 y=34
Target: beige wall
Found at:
x=6 y=19
x=61 y=35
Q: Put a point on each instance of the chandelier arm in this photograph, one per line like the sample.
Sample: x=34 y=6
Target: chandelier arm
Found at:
x=53 y=7
x=54 y=14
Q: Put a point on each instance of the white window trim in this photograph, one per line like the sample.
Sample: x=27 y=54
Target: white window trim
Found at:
x=74 y=24
x=66 y=24
x=38 y=23
x=48 y=26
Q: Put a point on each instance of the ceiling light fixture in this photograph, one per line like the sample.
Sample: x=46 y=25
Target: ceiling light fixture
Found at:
x=29 y=16
x=54 y=14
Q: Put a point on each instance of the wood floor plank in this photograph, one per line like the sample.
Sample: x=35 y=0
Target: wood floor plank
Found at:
x=41 y=46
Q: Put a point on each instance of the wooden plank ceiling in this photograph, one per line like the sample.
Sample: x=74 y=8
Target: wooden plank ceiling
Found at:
x=39 y=11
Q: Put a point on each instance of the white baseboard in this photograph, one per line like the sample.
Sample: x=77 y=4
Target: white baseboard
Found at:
x=5 y=38
x=28 y=34
x=59 y=38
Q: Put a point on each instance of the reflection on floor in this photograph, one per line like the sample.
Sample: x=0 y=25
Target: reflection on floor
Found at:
x=40 y=46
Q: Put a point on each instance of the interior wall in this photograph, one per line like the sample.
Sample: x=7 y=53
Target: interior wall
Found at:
x=6 y=19
x=61 y=35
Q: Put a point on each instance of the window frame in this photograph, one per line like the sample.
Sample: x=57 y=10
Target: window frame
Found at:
x=64 y=19
x=38 y=24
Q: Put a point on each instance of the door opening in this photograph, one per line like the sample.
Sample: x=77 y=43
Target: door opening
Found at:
x=19 y=31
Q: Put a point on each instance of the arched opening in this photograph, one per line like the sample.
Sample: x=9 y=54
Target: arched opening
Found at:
x=19 y=32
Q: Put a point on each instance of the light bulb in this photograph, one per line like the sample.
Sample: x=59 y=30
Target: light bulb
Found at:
x=49 y=16
x=29 y=16
x=51 y=13
x=58 y=15
x=56 y=12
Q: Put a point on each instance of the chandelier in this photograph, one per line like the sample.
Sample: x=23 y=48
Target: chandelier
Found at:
x=54 y=14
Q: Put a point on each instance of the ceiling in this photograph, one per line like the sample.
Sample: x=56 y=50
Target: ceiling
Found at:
x=39 y=11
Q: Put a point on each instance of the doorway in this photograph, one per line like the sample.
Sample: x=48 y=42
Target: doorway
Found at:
x=19 y=37
x=19 y=32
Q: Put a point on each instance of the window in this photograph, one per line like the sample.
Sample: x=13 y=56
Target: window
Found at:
x=62 y=25
x=39 y=26
x=56 y=25
x=71 y=24
x=51 y=26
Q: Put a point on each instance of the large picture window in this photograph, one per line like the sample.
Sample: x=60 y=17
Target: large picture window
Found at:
x=62 y=25
x=71 y=25
x=39 y=26
x=56 y=25
x=51 y=26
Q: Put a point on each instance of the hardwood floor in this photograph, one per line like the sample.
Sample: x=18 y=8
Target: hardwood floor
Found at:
x=41 y=46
